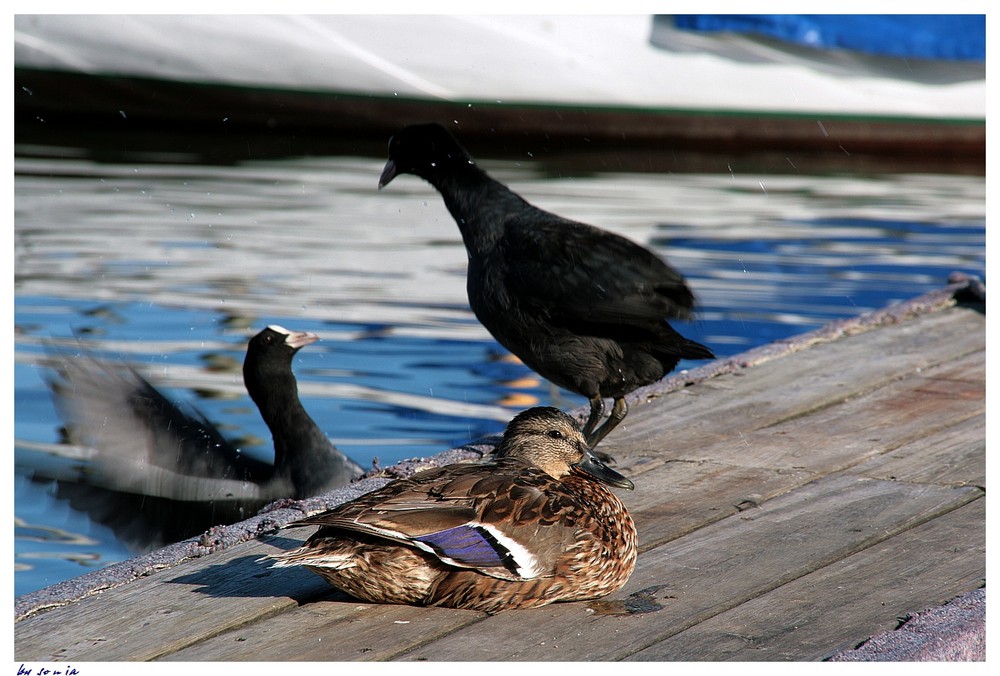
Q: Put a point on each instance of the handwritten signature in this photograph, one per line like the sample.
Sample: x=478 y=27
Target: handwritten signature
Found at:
x=47 y=671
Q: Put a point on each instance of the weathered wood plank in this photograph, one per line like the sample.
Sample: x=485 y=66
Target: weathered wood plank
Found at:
x=797 y=384
x=149 y=618
x=846 y=602
x=952 y=456
x=331 y=631
x=710 y=571
x=679 y=496
x=863 y=426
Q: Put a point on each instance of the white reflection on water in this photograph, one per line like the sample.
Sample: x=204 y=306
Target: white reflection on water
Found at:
x=173 y=267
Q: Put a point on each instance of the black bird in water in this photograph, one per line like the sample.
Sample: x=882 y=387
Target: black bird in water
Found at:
x=160 y=475
x=585 y=308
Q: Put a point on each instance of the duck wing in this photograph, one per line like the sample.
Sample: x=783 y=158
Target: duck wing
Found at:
x=502 y=520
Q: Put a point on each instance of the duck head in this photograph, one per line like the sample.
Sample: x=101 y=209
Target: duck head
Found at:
x=546 y=438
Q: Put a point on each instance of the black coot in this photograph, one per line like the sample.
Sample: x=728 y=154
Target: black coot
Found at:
x=160 y=474
x=585 y=308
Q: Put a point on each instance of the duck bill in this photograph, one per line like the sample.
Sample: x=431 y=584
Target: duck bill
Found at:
x=595 y=469
x=388 y=174
x=298 y=339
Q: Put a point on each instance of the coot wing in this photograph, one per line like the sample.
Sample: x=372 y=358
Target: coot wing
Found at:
x=111 y=408
x=579 y=273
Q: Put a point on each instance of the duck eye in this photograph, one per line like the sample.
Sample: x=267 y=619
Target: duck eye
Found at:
x=555 y=434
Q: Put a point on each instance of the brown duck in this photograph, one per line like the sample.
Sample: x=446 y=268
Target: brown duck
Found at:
x=535 y=525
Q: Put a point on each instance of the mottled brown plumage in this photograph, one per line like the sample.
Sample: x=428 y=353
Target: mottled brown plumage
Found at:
x=535 y=526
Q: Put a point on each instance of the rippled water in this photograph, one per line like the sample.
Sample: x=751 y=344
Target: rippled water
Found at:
x=172 y=267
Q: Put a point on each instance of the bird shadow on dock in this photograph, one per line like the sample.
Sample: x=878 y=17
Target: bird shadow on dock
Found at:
x=251 y=577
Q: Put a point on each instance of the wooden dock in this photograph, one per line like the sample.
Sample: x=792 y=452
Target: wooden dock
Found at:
x=791 y=502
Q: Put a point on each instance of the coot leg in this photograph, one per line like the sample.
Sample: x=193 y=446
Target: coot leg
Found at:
x=618 y=413
x=596 y=413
